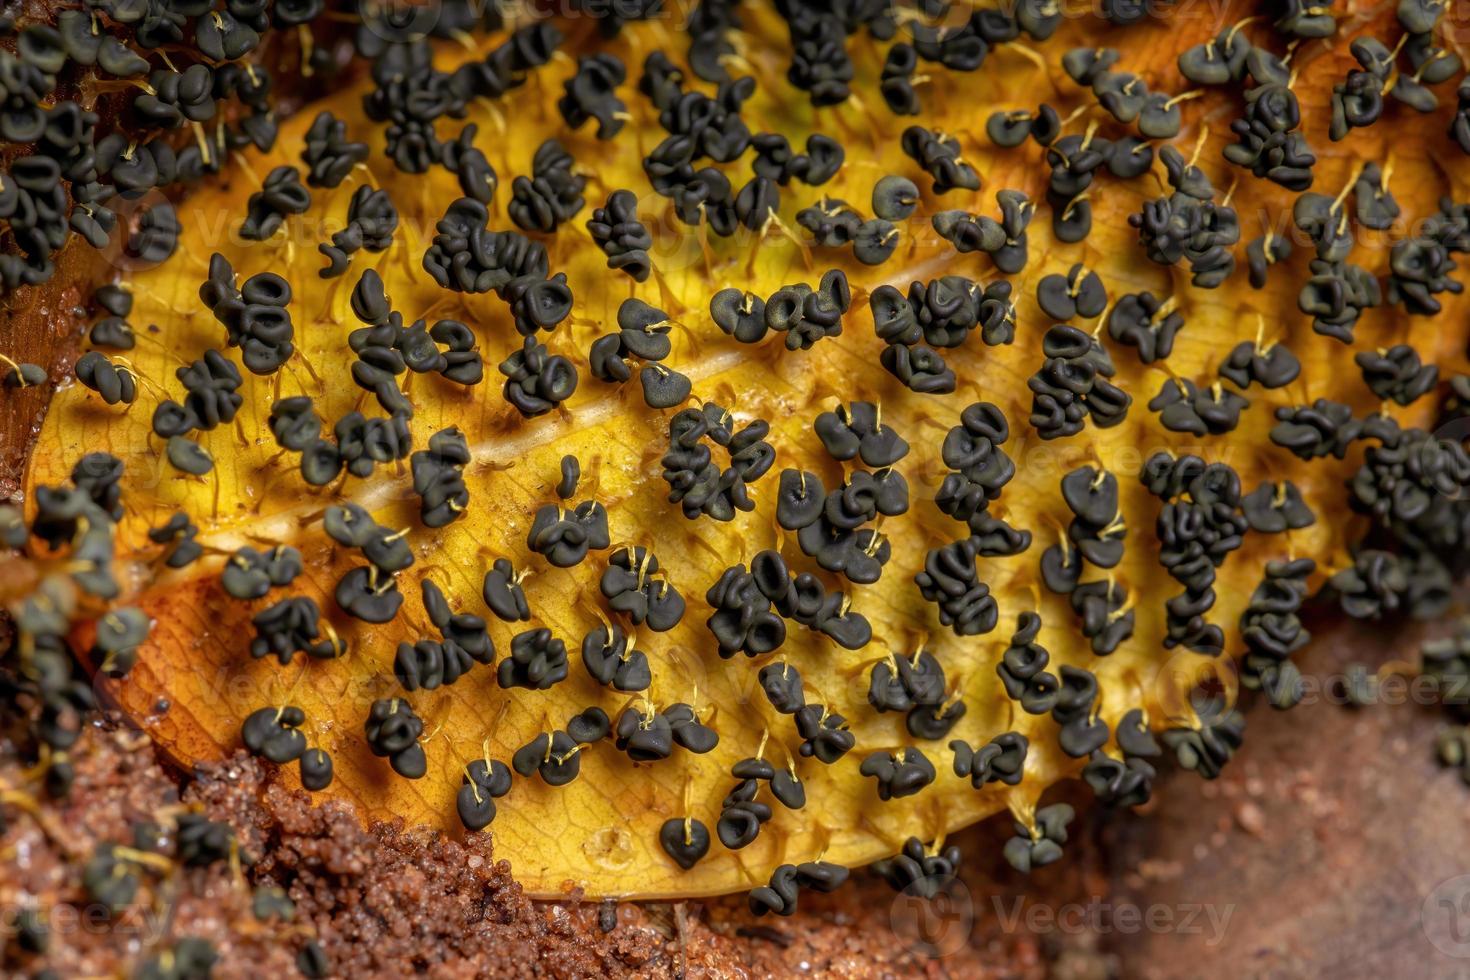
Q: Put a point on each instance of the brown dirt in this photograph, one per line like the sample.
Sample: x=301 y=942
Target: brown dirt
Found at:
x=389 y=901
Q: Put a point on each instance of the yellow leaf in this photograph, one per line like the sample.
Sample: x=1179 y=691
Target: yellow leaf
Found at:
x=600 y=832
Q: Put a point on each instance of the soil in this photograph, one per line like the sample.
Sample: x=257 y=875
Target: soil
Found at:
x=1316 y=853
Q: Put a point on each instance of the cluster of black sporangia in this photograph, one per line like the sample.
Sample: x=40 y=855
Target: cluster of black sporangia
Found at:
x=1094 y=537
x=1039 y=843
x=979 y=471
x=831 y=527
x=1270 y=364
x=743 y=620
x=327 y=152
x=1125 y=780
x=643 y=333
x=701 y=126
x=484 y=781
x=113 y=329
x=916 y=686
x=632 y=585
x=943 y=312
x=1413 y=483
x=552 y=195
x=1003 y=239
x=1184 y=406
x=249 y=574
x=536 y=380
x=805 y=315
x=950 y=580
x=899 y=773
x=648 y=734
x=537 y=661
x=781 y=893
x=1000 y=760
x=820 y=65
x=1420 y=266
x=1205 y=750
x=1189 y=225
x=612 y=660
x=1124 y=95
x=393 y=732
x=938 y=155
x=1338 y=291
x=695 y=482
x=177 y=536
x=281 y=194
x=275 y=734
x=833 y=223
x=775 y=159
x=466 y=256
x=503 y=593
x=1075 y=708
x=368 y=592
x=824 y=733
x=1200 y=523
x=385 y=348
x=1272 y=631
x=1396 y=373
x=743 y=600
x=254 y=314
x=464 y=641
x=564 y=536
x=919 y=871
x=438 y=477
x=592 y=94
x=1077 y=293
x=616 y=230
x=212 y=384
x=1072 y=385
x=293 y=625
x=411 y=95
x=477 y=178
x=1269 y=141
x=1404 y=73
x=1147 y=324
x=371 y=221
